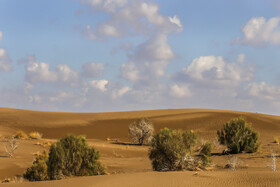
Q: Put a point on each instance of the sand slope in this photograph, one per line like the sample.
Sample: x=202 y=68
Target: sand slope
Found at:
x=129 y=165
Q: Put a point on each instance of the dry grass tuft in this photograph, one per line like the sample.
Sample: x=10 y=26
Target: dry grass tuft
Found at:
x=35 y=135
x=21 y=135
x=276 y=140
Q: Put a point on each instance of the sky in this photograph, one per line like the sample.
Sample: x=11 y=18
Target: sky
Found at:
x=120 y=55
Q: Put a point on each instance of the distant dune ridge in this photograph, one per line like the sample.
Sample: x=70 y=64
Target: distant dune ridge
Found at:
x=131 y=163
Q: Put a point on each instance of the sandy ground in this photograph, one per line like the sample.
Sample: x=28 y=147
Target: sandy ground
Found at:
x=128 y=165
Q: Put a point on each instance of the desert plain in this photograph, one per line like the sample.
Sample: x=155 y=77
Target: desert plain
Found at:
x=128 y=164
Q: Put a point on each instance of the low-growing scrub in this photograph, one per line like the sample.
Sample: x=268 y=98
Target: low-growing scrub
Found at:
x=239 y=136
x=70 y=156
x=21 y=135
x=35 y=135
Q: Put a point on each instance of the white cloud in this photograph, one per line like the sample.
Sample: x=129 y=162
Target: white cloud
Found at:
x=259 y=31
x=263 y=91
x=105 y=5
x=176 y=21
x=214 y=69
x=156 y=48
x=180 y=91
x=37 y=72
x=5 y=60
x=1 y=35
x=120 y=92
x=99 y=84
x=93 y=69
x=130 y=72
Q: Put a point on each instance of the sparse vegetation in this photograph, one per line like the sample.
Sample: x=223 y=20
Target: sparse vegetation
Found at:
x=21 y=135
x=35 y=135
x=171 y=149
x=239 y=136
x=141 y=131
x=205 y=153
x=276 y=140
x=70 y=156
x=233 y=162
x=12 y=146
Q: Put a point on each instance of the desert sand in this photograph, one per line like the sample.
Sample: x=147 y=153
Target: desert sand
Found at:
x=128 y=164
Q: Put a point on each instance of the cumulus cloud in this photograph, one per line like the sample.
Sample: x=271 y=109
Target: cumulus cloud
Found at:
x=37 y=72
x=5 y=60
x=180 y=91
x=263 y=91
x=259 y=31
x=99 y=84
x=216 y=71
x=92 y=69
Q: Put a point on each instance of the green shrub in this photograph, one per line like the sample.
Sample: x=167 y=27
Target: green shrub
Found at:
x=170 y=149
x=239 y=136
x=70 y=156
x=205 y=154
x=141 y=131
x=38 y=171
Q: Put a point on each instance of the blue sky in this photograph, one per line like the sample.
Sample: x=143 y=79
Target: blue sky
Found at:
x=115 y=55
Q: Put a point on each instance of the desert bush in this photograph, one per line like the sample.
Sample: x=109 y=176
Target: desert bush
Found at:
x=35 y=135
x=72 y=156
x=12 y=146
x=171 y=148
x=239 y=136
x=141 y=131
x=205 y=153
x=39 y=169
x=21 y=135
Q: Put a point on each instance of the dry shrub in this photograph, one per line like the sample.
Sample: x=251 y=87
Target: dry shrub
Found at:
x=233 y=163
x=21 y=135
x=141 y=131
x=276 y=140
x=12 y=146
x=35 y=135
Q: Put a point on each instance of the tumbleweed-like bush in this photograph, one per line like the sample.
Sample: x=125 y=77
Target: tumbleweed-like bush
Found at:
x=141 y=131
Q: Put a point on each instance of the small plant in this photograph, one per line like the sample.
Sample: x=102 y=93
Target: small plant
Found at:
x=276 y=140
x=39 y=169
x=141 y=131
x=35 y=135
x=239 y=136
x=13 y=145
x=205 y=154
x=171 y=149
x=21 y=135
x=233 y=163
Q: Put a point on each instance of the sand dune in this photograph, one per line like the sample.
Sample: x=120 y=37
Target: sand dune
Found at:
x=129 y=165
